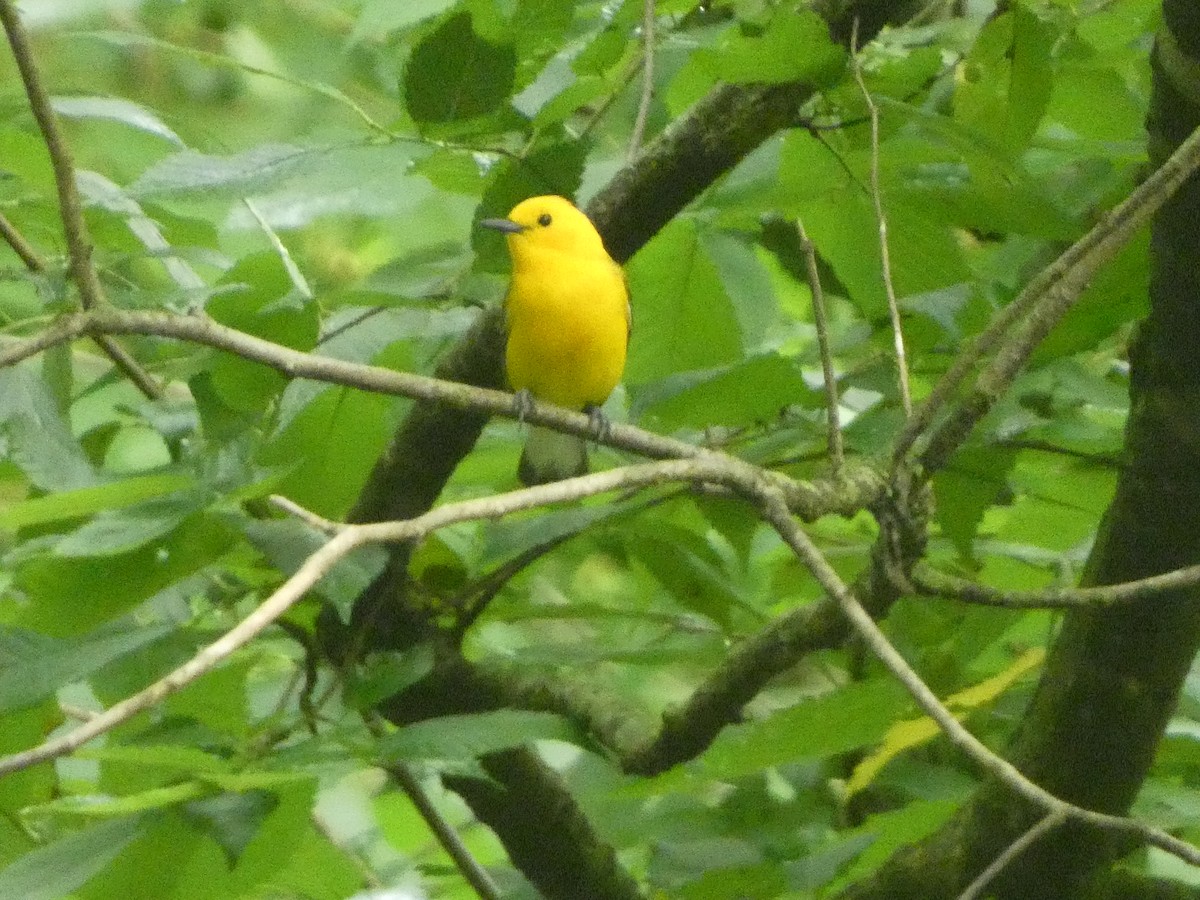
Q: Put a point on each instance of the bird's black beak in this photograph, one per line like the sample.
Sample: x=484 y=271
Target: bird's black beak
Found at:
x=508 y=226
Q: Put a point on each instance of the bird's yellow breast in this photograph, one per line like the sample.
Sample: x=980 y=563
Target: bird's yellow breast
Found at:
x=568 y=327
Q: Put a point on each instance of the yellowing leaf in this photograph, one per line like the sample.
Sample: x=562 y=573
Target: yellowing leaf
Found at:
x=993 y=687
x=900 y=737
x=911 y=733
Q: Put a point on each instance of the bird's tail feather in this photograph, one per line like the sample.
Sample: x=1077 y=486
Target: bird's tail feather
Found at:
x=551 y=456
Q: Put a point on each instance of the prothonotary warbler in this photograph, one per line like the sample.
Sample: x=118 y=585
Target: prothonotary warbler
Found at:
x=567 y=317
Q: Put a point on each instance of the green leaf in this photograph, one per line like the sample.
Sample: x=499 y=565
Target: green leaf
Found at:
x=287 y=543
x=40 y=439
x=33 y=666
x=92 y=807
x=217 y=61
x=688 y=568
x=119 y=531
x=117 y=110
x=378 y=18
x=232 y=820
x=1032 y=81
x=58 y=869
x=86 y=501
x=454 y=74
x=967 y=488
x=261 y=302
x=327 y=475
x=744 y=276
x=112 y=584
x=463 y=737
x=754 y=391
x=384 y=675
x=168 y=758
x=252 y=171
x=682 y=317
x=853 y=716
x=794 y=47
x=19 y=730
x=890 y=831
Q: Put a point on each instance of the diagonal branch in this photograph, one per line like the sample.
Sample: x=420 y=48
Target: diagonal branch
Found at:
x=1039 y=307
x=347 y=539
x=79 y=242
x=774 y=510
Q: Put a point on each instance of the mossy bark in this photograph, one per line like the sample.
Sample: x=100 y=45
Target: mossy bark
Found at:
x=1112 y=677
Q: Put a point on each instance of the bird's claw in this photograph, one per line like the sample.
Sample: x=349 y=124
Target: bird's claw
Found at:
x=598 y=422
x=522 y=404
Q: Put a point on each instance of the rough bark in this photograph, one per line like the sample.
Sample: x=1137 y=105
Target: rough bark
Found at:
x=1112 y=677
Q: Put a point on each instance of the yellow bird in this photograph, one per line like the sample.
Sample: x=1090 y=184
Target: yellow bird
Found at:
x=567 y=317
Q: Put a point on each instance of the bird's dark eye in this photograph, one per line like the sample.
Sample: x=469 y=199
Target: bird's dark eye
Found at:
x=544 y=219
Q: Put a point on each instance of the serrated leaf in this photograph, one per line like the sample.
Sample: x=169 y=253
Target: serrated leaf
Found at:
x=463 y=737
x=455 y=74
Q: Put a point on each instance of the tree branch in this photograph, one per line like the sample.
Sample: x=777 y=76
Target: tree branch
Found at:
x=774 y=510
x=349 y=538
x=927 y=580
x=1038 y=308
x=79 y=243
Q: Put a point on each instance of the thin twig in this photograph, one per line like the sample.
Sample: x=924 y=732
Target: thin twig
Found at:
x=926 y=580
x=20 y=246
x=307 y=516
x=1046 y=824
x=350 y=538
x=881 y=218
x=475 y=874
x=123 y=360
x=774 y=511
x=79 y=242
x=836 y=455
x=643 y=112
x=1047 y=298
x=846 y=495
x=120 y=357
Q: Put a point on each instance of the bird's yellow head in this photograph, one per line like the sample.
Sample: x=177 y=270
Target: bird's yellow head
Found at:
x=548 y=223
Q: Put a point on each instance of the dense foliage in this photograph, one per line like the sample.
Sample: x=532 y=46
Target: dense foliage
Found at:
x=309 y=172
